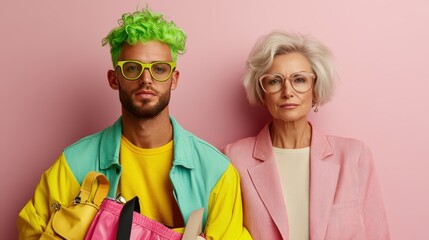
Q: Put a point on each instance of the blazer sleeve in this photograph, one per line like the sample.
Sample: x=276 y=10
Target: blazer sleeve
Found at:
x=374 y=215
x=225 y=219
x=56 y=184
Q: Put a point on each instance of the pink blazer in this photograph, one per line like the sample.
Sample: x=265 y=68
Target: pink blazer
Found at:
x=345 y=199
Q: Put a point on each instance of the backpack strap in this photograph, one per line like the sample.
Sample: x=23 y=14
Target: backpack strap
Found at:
x=94 y=189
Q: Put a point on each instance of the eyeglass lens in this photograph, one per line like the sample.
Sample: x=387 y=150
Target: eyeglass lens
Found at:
x=301 y=82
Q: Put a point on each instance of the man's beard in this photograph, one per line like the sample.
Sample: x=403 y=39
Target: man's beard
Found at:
x=144 y=112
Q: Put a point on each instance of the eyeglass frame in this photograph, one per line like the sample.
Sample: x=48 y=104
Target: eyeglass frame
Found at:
x=144 y=67
x=313 y=78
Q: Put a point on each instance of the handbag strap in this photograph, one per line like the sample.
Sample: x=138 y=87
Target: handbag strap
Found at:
x=126 y=219
x=95 y=188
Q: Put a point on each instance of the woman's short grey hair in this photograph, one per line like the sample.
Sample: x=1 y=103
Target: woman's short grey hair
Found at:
x=278 y=43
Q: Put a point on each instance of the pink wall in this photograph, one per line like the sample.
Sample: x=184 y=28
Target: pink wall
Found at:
x=55 y=89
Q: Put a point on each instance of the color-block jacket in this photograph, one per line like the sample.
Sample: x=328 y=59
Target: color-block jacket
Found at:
x=201 y=177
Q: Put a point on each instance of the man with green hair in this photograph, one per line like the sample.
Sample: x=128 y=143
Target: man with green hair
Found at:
x=145 y=153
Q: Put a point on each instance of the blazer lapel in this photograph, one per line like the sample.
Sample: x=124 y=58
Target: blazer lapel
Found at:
x=323 y=183
x=267 y=181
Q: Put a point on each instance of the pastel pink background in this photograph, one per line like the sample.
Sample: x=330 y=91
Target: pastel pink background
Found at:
x=54 y=88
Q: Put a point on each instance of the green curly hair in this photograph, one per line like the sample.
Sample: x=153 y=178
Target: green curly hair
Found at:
x=144 y=26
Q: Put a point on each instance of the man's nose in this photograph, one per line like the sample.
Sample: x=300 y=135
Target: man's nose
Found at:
x=146 y=78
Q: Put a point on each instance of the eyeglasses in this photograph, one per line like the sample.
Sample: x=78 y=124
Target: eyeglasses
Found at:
x=159 y=71
x=300 y=82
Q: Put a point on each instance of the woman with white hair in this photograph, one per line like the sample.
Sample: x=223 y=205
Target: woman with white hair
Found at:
x=297 y=182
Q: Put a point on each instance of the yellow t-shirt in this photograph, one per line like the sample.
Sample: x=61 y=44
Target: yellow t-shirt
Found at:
x=145 y=173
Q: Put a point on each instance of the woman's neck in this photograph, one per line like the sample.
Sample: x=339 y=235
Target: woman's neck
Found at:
x=290 y=134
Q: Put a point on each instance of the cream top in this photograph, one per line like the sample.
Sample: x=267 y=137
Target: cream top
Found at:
x=294 y=170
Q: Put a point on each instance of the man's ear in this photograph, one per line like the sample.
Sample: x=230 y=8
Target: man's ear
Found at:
x=174 y=79
x=112 y=79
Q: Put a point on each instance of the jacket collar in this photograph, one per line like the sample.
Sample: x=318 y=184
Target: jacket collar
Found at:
x=323 y=181
x=111 y=140
x=184 y=149
x=110 y=145
x=262 y=176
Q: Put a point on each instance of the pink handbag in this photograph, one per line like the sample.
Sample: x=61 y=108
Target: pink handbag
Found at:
x=117 y=221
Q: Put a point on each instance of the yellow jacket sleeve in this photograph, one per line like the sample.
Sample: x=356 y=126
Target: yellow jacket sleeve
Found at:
x=56 y=184
x=225 y=210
